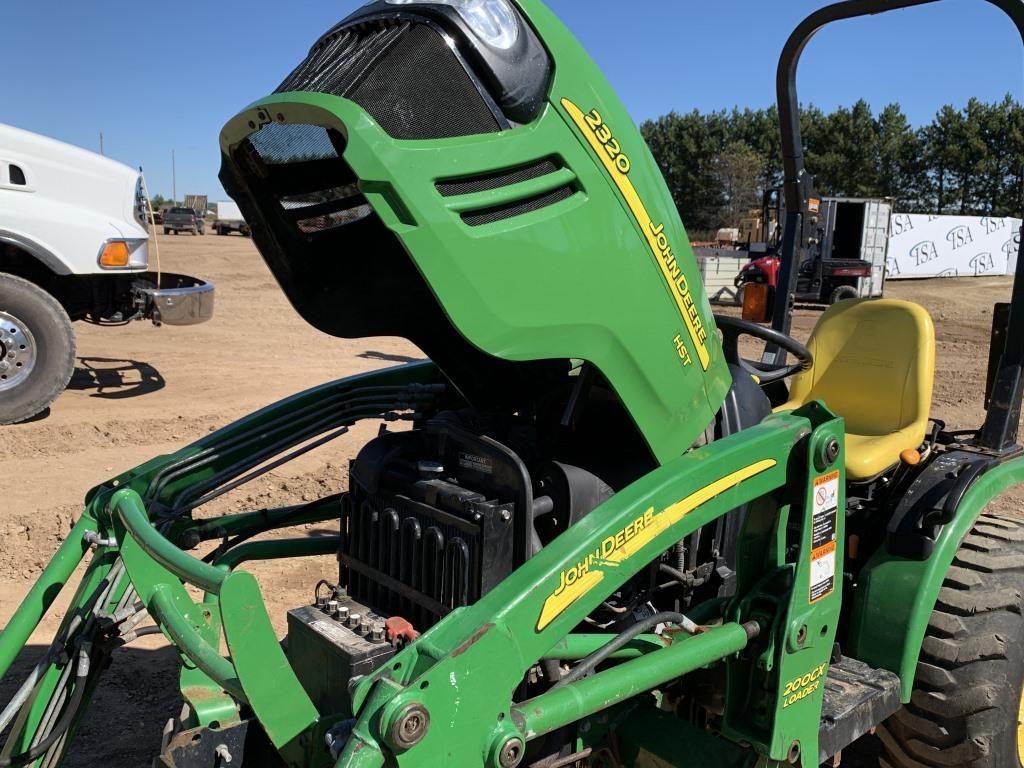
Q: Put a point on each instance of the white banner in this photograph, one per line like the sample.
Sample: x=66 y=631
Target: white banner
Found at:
x=951 y=246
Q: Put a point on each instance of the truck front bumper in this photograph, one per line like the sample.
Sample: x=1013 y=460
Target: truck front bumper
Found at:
x=173 y=299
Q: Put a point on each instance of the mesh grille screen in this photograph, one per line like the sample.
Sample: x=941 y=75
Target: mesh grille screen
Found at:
x=497 y=180
x=278 y=144
x=310 y=199
x=502 y=212
x=334 y=219
x=404 y=75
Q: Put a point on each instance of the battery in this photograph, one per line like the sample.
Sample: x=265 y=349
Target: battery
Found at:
x=327 y=653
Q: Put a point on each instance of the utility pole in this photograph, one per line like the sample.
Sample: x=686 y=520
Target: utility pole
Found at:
x=101 y=142
x=174 y=180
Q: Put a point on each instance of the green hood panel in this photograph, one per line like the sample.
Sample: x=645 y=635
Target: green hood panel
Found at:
x=604 y=273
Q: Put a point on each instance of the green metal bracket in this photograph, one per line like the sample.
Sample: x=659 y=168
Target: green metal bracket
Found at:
x=273 y=691
x=774 y=699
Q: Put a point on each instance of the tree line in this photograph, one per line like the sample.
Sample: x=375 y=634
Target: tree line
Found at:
x=967 y=161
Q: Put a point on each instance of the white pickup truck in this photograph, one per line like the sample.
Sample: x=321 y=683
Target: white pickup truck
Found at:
x=74 y=246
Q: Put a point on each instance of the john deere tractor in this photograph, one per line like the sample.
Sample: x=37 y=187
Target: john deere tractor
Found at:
x=588 y=532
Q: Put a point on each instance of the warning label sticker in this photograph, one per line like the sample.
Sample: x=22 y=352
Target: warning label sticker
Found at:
x=823 y=536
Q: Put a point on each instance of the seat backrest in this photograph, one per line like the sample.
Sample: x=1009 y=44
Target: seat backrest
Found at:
x=874 y=361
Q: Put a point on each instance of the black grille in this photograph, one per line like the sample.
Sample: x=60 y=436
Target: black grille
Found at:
x=498 y=179
x=518 y=208
x=406 y=558
x=305 y=173
x=403 y=74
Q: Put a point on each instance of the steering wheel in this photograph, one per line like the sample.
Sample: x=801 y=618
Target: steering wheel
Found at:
x=733 y=327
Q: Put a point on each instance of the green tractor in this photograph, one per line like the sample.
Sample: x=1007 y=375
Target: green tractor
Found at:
x=588 y=531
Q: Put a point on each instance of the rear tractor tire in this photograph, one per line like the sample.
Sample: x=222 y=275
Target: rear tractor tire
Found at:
x=37 y=349
x=966 y=709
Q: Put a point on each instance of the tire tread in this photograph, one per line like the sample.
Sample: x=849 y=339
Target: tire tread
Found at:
x=963 y=710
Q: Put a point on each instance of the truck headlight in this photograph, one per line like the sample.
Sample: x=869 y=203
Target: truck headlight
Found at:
x=493 y=21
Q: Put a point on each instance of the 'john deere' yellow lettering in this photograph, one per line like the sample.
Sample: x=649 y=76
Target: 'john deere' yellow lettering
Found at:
x=618 y=165
x=617 y=547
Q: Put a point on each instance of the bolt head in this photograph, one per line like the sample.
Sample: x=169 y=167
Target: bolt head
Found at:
x=512 y=752
x=408 y=727
x=832 y=450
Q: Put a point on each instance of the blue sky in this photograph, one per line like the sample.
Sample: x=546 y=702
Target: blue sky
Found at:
x=157 y=76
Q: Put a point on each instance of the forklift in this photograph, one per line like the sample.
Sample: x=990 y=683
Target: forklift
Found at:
x=833 y=268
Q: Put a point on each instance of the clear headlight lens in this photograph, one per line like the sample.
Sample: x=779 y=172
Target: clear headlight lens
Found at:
x=493 y=21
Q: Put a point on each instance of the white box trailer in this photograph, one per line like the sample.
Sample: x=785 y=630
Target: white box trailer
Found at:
x=230 y=219
x=858 y=228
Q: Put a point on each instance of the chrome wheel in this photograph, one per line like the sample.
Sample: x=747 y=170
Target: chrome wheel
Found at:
x=17 y=352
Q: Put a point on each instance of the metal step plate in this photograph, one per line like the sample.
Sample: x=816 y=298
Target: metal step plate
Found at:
x=857 y=698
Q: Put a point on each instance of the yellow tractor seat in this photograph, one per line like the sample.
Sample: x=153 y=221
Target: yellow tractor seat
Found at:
x=874 y=361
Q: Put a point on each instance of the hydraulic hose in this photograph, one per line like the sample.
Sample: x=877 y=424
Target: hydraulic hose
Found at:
x=66 y=719
x=590 y=663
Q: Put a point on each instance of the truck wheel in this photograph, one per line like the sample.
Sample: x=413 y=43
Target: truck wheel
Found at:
x=167 y=231
x=967 y=708
x=37 y=349
x=842 y=293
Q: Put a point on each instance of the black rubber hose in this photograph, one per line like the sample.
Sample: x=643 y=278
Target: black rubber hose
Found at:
x=590 y=663
x=62 y=725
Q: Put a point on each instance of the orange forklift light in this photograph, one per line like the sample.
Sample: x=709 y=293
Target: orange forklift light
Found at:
x=757 y=302
x=115 y=254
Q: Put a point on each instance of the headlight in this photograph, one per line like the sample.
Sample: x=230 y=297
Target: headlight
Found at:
x=493 y=21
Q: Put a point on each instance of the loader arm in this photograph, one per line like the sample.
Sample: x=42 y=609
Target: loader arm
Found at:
x=464 y=672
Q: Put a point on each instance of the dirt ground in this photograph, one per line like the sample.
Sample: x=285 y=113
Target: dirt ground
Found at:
x=140 y=391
